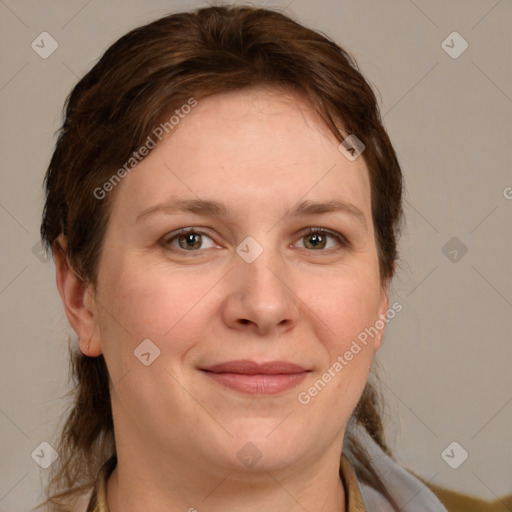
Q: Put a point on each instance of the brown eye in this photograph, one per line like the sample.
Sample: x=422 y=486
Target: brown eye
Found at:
x=318 y=239
x=188 y=240
x=315 y=241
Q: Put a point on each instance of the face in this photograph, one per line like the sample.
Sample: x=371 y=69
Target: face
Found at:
x=252 y=297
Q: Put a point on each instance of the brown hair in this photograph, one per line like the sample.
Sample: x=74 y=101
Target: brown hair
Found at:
x=140 y=79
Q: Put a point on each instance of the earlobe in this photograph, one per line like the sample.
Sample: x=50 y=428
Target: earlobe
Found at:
x=77 y=299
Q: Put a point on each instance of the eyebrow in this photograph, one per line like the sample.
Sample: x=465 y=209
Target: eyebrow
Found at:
x=216 y=209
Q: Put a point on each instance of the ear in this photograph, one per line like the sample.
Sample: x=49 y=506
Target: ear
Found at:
x=382 y=313
x=78 y=300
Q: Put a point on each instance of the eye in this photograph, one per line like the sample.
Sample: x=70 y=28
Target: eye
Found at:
x=188 y=239
x=192 y=240
x=318 y=239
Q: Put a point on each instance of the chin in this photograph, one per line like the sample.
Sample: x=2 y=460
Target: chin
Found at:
x=265 y=444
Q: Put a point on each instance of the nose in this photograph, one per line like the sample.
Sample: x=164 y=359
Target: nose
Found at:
x=260 y=297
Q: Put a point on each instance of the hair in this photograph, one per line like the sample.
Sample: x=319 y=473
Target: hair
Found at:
x=110 y=113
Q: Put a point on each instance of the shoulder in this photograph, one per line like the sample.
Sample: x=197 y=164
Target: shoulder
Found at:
x=456 y=501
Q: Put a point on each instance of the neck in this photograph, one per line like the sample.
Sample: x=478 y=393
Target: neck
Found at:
x=143 y=480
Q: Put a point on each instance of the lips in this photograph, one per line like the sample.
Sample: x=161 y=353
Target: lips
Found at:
x=252 y=368
x=257 y=378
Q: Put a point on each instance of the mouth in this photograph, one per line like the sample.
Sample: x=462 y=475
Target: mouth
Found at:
x=257 y=379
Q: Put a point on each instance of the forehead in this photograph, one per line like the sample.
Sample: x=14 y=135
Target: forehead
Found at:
x=257 y=144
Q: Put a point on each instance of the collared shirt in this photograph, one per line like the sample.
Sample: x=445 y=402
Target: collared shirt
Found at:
x=353 y=499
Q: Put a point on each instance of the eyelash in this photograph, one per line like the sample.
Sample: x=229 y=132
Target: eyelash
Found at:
x=343 y=242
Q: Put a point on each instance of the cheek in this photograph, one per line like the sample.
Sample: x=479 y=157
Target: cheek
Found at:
x=349 y=306
x=349 y=312
x=149 y=303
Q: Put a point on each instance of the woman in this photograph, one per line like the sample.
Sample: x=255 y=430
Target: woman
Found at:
x=223 y=205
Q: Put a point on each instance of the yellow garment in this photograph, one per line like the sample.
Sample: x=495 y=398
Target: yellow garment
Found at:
x=453 y=501
x=458 y=502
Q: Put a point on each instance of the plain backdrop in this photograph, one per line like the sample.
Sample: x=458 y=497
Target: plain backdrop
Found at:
x=447 y=355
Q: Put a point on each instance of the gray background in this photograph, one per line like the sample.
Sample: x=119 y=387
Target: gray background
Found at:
x=446 y=359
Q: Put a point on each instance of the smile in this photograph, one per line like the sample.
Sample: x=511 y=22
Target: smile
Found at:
x=253 y=378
